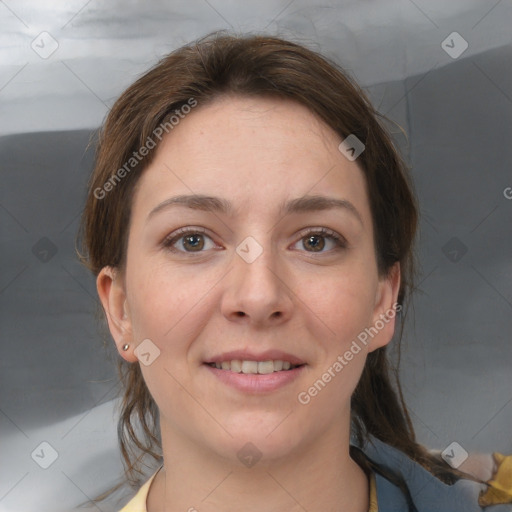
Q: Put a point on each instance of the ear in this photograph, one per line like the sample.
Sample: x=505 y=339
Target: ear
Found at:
x=111 y=291
x=385 y=310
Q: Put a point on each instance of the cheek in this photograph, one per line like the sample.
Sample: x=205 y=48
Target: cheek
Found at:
x=160 y=301
x=341 y=310
x=164 y=308
x=343 y=303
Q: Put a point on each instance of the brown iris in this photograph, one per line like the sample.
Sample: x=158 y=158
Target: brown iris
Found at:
x=316 y=242
x=196 y=242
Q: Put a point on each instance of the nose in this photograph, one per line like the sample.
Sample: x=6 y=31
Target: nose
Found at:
x=257 y=293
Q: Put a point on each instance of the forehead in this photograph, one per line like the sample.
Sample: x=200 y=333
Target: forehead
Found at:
x=257 y=151
x=231 y=128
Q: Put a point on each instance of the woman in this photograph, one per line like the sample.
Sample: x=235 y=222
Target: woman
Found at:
x=251 y=226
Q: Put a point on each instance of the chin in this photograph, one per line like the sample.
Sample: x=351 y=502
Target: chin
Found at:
x=261 y=435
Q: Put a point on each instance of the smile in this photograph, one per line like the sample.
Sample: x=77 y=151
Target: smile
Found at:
x=253 y=367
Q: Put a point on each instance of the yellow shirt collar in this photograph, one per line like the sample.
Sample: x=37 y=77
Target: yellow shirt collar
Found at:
x=138 y=502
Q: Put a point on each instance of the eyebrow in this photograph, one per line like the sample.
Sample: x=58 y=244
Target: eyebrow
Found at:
x=304 y=204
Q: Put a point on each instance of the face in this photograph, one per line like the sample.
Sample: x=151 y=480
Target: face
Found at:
x=279 y=266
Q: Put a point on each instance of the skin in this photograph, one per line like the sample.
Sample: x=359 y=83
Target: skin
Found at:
x=256 y=153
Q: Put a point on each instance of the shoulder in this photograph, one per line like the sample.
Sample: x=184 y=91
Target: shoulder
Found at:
x=427 y=492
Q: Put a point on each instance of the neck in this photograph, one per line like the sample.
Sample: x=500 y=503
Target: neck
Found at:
x=318 y=477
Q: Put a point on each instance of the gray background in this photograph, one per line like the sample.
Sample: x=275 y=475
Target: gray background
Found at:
x=58 y=381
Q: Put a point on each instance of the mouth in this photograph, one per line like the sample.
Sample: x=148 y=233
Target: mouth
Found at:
x=253 y=373
x=254 y=367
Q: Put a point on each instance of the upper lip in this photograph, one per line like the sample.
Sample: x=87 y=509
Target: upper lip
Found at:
x=244 y=355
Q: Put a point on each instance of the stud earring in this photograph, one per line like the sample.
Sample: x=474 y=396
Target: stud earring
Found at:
x=126 y=347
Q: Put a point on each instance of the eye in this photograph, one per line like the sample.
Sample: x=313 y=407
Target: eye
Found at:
x=315 y=240
x=188 y=240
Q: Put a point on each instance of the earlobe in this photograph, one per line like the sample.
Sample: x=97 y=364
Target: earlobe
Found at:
x=386 y=309
x=111 y=291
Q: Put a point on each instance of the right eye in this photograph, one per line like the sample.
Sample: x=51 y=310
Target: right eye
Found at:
x=188 y=240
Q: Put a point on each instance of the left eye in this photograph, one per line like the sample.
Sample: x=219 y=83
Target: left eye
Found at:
x=191 y=241
x=316 y=240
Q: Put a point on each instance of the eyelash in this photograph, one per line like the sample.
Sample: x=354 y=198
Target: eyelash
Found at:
x=339 y=241
x=170 y=240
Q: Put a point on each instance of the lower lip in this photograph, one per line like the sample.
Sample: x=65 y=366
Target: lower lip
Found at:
x=254 y=382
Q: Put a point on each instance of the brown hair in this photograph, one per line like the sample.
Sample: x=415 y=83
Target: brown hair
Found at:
x=221 y=64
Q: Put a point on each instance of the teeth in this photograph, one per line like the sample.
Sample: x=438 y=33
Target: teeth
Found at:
x=261 y=367
x=265 y=367
x=249 y=366
x=236 y=366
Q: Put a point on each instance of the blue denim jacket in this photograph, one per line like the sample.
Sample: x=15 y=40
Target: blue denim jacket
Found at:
x=428 y=493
